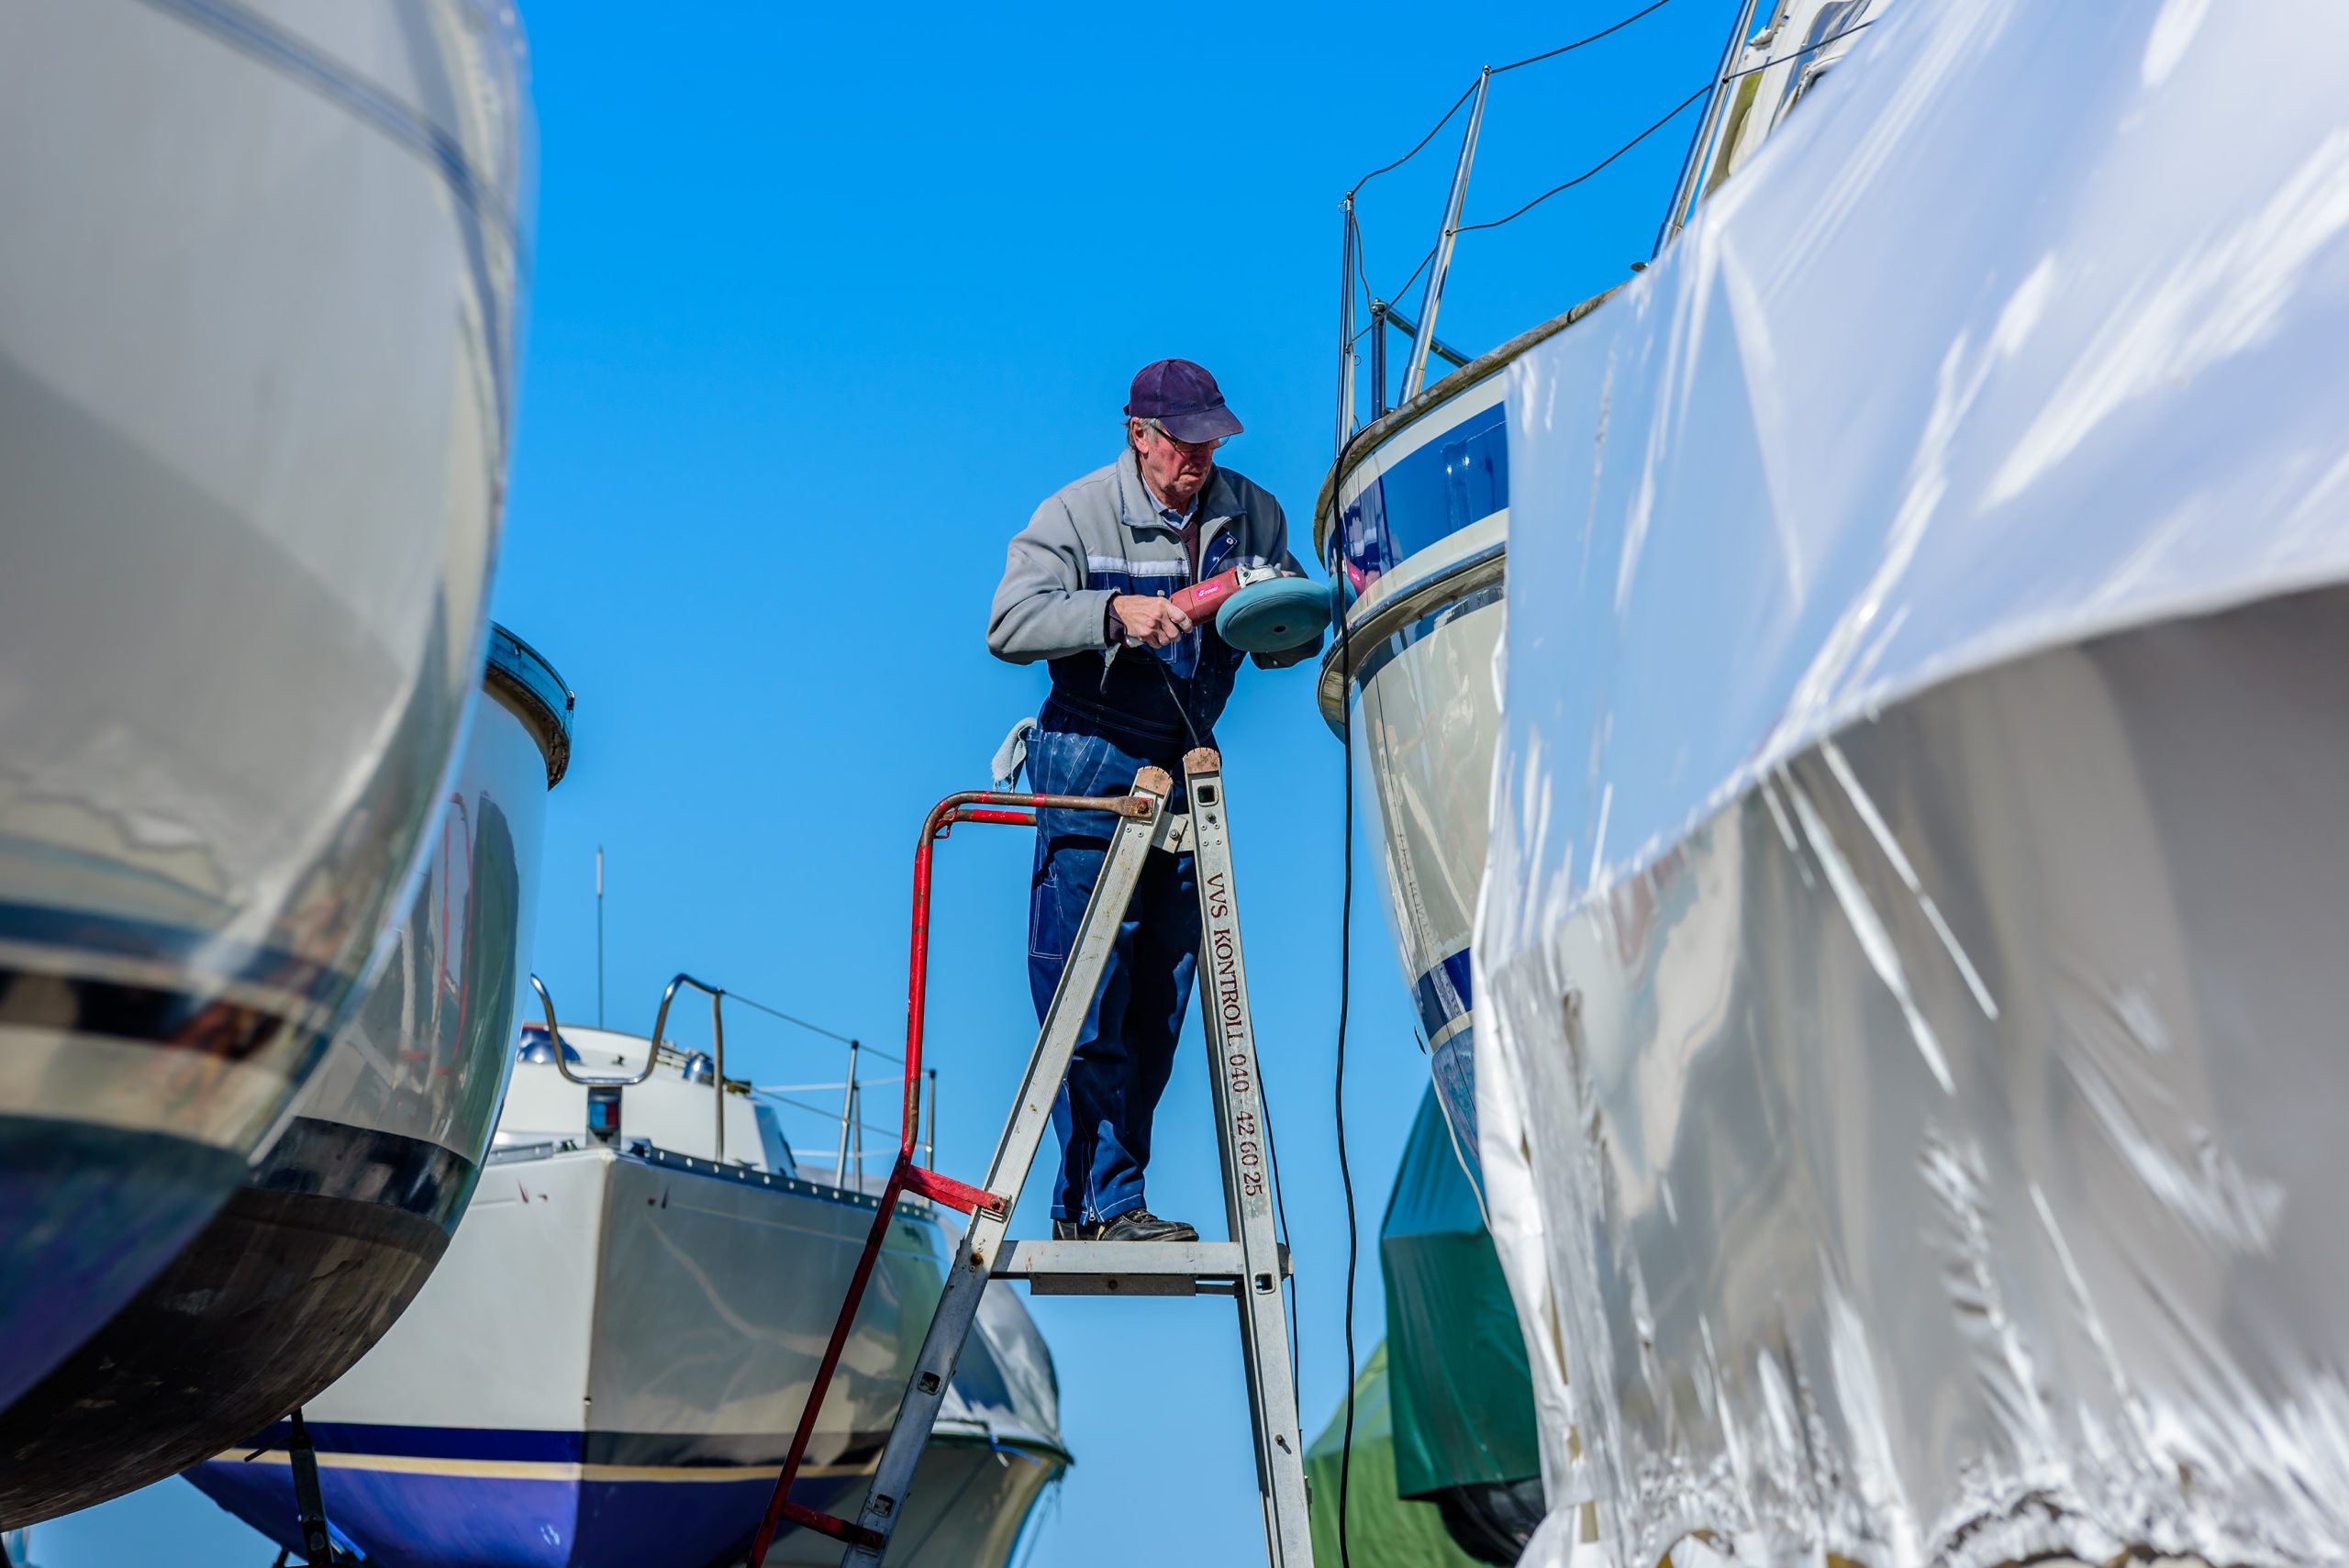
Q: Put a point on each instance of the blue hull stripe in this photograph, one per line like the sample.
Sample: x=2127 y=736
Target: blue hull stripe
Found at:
x=458 y=1450
x=1444 y=993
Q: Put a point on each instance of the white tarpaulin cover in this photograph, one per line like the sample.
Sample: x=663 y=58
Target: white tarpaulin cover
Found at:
x=1914 y=955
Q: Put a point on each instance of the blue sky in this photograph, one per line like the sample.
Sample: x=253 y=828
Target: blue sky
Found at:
x=825 y=301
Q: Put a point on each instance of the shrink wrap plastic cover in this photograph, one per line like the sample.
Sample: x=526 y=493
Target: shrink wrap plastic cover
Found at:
x=1914 y=1024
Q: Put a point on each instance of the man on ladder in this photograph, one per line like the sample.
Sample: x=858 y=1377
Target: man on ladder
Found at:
x=1088 y=586
x=1128 y=894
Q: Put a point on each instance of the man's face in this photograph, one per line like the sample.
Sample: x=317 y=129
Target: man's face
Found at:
x=1177 y=469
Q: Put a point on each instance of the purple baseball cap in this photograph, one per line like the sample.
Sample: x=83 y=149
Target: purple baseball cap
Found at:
x=1184 y=399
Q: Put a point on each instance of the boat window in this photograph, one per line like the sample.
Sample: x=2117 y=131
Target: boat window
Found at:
x=1456 y=479
x=1809 y=69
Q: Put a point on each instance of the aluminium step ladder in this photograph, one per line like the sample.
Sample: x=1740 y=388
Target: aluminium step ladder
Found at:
x=1249 y=1267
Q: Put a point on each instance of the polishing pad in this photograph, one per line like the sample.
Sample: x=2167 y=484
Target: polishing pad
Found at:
x=1274 y=617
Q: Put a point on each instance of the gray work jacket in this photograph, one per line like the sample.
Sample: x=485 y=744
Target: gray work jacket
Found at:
x=1102 y=536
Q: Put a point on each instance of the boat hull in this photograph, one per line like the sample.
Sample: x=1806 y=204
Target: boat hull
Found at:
x=606 y=1369
x=327 y=1241
x=969 y=1501
x=449 y=1503
x=1421 y=531
x=255 y=367
x=1427 y=721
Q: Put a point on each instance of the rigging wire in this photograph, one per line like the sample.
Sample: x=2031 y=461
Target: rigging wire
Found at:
x=1495 y=71
x=1361 y=266
x=1390 y=167
x=1679 y=109
x=791 y=1019
x=1415 y=275
x=1345 y=990
x=1570 y=47
x=1361 y=274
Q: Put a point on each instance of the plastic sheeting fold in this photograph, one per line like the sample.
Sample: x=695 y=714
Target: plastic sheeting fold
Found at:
x=1910 y=967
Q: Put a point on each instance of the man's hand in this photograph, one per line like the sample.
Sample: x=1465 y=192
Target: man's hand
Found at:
x=1152 y=621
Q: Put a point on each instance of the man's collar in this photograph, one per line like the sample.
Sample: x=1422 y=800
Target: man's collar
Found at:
x=1181 y=517
x=1140 y=508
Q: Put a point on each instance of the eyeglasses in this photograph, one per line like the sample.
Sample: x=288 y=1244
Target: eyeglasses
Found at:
x=1190 y=449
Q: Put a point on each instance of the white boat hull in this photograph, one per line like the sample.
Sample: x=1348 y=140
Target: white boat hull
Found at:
x=256 y=358
x=1423 y=699
x=607 y=1368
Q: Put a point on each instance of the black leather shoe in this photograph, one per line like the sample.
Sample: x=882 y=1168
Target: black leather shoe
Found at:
x=1134 y=1225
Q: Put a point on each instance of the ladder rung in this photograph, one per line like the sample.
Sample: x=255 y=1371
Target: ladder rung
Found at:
x=839 y=1530
x=1128 y=1268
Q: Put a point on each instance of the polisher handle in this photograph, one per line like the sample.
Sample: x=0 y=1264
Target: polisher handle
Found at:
x=1201 y=600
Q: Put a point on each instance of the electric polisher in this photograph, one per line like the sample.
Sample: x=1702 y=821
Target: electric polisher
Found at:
x=1257 y=609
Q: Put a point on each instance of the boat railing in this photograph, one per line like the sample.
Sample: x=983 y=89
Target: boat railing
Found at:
x=1704 y=163
x=852 y=1152
x=850 y=1126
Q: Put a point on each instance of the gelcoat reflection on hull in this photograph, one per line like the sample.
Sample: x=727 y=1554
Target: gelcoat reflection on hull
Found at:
x=1416 y=525
x=328 y=1240
x=256 y=348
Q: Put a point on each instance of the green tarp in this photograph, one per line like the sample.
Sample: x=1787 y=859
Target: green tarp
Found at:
x=1446 y=1403
x=1460 y=1385
x=1383 y=1531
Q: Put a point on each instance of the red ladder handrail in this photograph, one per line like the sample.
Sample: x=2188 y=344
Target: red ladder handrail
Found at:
x=992 y=807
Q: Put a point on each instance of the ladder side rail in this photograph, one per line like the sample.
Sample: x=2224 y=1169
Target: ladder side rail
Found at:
x=1238 y=1092
x=958 y=1306
x=941 y=1348
x=970 y=805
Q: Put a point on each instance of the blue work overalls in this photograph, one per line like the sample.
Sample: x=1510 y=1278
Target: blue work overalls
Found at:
x=1101 y=724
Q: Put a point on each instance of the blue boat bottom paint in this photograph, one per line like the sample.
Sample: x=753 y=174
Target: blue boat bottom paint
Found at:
x=303 y=1267
x=492 y=1499
x=87 y=1216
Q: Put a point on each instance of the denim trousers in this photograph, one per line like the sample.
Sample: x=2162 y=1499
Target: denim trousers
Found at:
x=1126 y=1049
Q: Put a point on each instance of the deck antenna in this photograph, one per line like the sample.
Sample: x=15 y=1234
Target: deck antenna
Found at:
x=599 y=936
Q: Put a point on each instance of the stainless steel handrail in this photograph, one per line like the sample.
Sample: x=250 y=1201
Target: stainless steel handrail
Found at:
x=1684 y=190
x=717 y=996
x=849 y=1108
x=1384 y=315
x=1415 y=372
x=852 y=1127
x=1346 y=324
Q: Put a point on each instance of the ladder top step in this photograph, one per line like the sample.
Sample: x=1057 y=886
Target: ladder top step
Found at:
x=1127 y=1268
